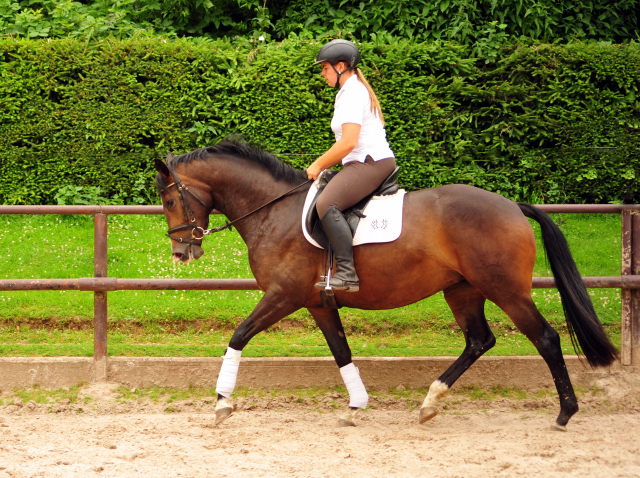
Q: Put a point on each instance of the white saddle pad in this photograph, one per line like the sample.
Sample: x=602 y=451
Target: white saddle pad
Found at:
x=383 y=221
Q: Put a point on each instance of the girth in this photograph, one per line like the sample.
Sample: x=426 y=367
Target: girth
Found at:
x=353 y=215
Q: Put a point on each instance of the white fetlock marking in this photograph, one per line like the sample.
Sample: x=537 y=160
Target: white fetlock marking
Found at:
x=223 y=403
x=437 y=390
x=357 y=392
x=228 y=372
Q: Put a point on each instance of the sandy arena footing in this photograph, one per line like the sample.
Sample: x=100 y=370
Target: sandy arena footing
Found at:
x=102 y=433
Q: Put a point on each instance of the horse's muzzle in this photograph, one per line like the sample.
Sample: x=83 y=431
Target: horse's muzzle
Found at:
x=187 y=252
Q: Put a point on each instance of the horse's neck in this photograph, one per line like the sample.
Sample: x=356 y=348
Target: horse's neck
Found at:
x=243 y=191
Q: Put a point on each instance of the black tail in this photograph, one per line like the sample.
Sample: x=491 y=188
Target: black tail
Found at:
x=584 y=327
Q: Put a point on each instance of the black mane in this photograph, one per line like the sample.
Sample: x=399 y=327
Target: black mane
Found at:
x=243 y=150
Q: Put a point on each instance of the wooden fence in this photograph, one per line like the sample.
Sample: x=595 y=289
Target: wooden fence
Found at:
x=100 y=284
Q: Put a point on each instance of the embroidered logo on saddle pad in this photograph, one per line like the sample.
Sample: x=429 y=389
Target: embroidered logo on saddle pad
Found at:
x=382 y=221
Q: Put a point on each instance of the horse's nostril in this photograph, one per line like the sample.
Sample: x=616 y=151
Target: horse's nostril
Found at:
x=177 y=256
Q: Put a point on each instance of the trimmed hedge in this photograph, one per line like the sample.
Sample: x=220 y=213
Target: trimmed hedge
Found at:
x=97 y=114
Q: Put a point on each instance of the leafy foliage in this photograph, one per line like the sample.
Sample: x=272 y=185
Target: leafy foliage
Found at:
x=79 y=195
x=460 y=20
x=464 y=21
x=97 y=114
x=52 y=18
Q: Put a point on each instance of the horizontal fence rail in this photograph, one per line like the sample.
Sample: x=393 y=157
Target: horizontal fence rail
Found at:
x=112 y=284
x=100 y=284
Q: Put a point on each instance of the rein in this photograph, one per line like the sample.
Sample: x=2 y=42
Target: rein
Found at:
x=190 y=217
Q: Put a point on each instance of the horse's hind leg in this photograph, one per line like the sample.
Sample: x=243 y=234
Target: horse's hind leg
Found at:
x=525 y=315
x=467 y=305
x=331 y=326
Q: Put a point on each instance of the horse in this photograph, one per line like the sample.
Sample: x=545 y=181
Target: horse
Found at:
x=472 y=244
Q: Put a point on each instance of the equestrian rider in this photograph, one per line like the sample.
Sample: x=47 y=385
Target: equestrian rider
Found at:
x=361 y=145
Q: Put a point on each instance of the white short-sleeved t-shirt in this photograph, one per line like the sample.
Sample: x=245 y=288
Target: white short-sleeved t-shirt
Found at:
x=353 y=105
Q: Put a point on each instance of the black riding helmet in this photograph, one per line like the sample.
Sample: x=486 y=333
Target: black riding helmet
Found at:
x=336 y=51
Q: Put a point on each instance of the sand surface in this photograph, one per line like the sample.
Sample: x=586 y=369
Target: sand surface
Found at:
x=293 y=437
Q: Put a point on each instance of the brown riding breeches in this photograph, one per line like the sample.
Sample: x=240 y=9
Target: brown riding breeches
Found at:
x=356 y=181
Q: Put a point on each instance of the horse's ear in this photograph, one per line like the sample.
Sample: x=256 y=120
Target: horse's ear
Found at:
x=163 y=170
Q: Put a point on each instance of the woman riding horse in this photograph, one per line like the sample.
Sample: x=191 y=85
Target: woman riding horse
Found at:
x=471 y=244
x=361 y=145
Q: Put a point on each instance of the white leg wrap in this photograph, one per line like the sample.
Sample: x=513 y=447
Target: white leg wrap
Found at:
x=437 y=390
x=357 y=393
x=228 y=372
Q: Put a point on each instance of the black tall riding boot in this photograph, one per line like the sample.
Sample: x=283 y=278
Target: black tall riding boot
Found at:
x=339 y=234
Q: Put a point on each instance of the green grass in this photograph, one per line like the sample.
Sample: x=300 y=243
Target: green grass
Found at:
x=172 y=395
x=38 y=395
x=200 y=323
x=165 y=394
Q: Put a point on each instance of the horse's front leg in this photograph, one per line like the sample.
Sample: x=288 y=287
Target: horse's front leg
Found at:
x=269 y=310
x=329 y=322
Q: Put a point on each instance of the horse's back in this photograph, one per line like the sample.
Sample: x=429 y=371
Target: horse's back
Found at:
x=458 y=209
x=469 y=203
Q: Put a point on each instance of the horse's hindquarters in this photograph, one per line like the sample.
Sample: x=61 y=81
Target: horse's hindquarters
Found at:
x=450 y=234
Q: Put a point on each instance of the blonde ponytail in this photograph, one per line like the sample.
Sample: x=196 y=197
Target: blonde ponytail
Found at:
x=375 y=104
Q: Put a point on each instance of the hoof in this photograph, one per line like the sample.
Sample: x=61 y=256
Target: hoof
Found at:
x=559 y=428
x=345 y=423
x=222 y=414
x=348 y=418
x=565 y=415
x=427 y=413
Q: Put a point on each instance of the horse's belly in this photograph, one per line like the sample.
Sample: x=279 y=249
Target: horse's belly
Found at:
x=395 y=286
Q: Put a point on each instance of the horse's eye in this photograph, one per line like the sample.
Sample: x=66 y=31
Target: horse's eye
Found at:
x=170 y=203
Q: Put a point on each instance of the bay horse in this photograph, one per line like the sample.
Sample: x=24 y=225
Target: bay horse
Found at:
x=471 y=244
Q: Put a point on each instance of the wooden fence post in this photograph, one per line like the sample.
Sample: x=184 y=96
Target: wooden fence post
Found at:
x=634 y=338
x=100 y=298
x=625 y=323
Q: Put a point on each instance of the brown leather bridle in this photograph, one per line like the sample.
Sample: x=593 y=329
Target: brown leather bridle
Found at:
x=190 y=218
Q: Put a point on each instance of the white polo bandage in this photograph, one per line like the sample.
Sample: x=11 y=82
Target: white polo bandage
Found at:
x=357 y=393
x=228 y=372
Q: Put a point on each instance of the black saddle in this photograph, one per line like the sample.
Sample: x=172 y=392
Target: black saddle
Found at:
x=312 y=222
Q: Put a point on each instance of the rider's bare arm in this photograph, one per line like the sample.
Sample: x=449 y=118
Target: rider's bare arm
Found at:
x=342 y=147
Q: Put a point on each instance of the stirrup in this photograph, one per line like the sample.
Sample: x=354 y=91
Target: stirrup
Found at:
x=348 y=286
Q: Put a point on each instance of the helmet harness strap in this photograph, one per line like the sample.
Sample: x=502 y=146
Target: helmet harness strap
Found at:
x=339 y=73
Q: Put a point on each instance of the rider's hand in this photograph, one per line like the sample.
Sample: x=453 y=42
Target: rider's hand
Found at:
x=313 y=171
